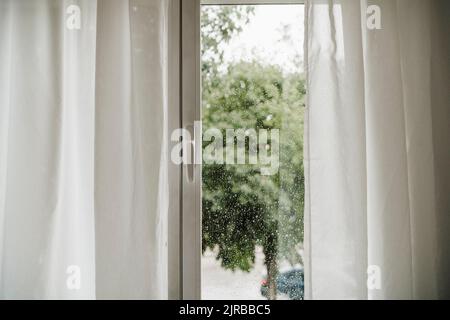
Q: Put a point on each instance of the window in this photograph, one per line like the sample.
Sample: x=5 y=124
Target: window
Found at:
x=241 y=225
x=252 y=172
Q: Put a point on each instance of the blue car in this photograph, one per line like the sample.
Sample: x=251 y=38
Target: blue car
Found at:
x=290 y=283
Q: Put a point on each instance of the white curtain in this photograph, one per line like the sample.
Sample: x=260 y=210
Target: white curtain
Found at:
x=83 y=168
x=378 y=150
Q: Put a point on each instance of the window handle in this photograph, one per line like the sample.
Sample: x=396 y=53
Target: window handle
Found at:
x=193 y=147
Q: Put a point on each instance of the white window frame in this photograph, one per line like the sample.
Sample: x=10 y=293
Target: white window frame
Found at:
x=174 y=271
x=184 y=274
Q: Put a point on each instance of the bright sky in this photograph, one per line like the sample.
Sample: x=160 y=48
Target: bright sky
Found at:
x=274 y=35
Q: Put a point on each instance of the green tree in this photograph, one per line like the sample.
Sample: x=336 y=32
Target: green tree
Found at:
x=219 y=24
x=242 y=208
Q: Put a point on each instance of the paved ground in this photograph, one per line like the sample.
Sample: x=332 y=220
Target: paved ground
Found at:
x=218 y=283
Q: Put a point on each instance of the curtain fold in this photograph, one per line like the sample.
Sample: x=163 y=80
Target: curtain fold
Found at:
x=374 y=152
x=131 y=172
x=83 y=172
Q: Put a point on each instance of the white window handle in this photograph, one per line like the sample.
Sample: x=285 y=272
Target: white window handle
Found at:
x=193 y=147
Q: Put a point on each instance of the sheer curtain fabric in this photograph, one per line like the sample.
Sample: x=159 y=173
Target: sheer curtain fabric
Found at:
x=378 y=150
x=83 y=170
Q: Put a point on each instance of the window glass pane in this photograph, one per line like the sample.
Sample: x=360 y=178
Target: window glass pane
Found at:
x=253 y=182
